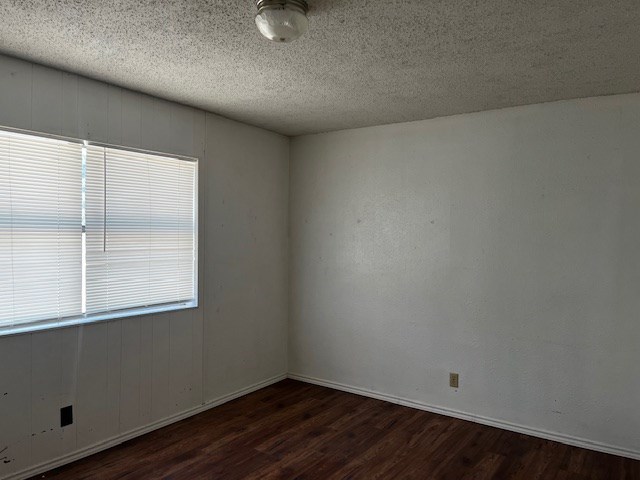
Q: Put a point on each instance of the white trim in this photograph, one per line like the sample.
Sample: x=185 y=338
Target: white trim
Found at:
x=492 y=422
x=29 y=327
x=136 y=432
x=81 y=141
x=113 y=441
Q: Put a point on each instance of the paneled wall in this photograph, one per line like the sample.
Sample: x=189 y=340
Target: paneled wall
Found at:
x=125 y=375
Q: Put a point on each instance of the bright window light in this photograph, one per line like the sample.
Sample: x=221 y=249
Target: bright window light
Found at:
x=91 y=232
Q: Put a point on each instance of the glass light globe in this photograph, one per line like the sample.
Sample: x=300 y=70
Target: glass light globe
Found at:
x=282 y=24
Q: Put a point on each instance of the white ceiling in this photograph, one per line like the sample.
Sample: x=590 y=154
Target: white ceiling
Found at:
x=363 y=62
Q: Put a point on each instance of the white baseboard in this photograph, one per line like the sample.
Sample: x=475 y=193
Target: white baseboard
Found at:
x=113 y=441
x=492 y=422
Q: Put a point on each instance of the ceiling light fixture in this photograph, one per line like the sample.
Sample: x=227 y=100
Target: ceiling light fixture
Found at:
x=282 y=20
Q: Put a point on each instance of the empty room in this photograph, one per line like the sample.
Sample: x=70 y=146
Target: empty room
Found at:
x=319 y=240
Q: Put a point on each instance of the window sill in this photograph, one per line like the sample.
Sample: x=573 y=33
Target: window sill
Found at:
x=88 y=319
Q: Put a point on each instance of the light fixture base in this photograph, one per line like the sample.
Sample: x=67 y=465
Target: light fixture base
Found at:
x=300 y=5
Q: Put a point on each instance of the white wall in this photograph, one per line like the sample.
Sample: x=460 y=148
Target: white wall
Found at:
x=127 y=374
x=246 y=256
x=502 y=245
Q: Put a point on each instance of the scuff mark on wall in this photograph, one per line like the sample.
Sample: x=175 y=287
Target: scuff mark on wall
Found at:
x=4 y=459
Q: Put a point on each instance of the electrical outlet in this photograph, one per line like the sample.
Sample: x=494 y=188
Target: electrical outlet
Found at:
x=66 y=416
x=454 y=380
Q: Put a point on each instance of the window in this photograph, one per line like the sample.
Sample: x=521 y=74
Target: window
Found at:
x=91 y=232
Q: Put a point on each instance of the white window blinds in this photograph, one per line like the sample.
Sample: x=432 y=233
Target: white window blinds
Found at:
x=140 y=229
x=90 y=232
x=40 y=228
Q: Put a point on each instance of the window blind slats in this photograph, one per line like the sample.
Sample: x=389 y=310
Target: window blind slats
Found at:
x=87 y=230
x=143 y=252
x=40 y=228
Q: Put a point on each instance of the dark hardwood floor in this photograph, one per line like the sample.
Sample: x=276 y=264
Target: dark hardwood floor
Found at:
x=292 y=430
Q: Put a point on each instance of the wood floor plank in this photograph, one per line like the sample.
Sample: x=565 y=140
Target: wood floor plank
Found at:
x=293 y=430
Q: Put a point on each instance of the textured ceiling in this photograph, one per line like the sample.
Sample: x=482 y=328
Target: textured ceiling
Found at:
x=363 y=62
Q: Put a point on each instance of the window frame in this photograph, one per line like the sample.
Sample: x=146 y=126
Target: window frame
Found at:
x=77 y=320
